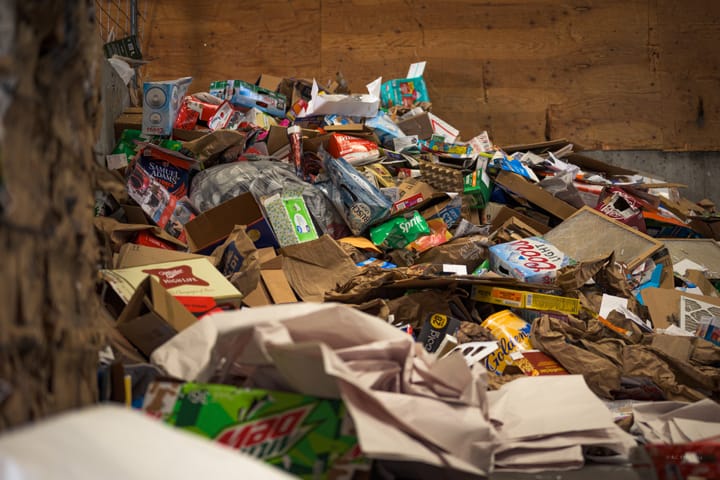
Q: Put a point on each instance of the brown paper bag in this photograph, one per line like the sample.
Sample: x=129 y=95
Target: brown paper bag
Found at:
x=315 y=267
x=122 y=233
x=208 y=147
x=602 y=375
x=237 y=259
x=468 y=251
x=368 y=283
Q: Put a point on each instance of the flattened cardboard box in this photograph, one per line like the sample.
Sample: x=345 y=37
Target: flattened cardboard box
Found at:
x=534 y=194
x=273 y=287
x=188 y=278
x=152 y=317
x=497 y=214
x=210 y=228
x=133 y=255
x=522 y=299
x=664 y=304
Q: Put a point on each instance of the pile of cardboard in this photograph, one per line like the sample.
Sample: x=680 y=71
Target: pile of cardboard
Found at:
x=501 y=263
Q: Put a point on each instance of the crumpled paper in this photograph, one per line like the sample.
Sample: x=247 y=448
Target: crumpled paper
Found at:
x=407 y=405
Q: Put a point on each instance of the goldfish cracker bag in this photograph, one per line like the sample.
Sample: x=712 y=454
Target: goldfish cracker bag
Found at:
x=513 y=334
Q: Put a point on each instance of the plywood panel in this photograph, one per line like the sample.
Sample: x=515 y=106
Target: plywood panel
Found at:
x=612 y=74
x=212 y=40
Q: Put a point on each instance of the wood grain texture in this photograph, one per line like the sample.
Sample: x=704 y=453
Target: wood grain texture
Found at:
x=49 y=335
x=612 y=74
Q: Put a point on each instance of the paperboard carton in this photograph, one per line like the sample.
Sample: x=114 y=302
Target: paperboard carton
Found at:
x=166 y=210
x=170 y=168
x=187 y=278
x=161 y=103
x=209 y=229
x=310 y=437
x=532 y=260
x=290 y=219
x=245 y=94
x=522 y=299
x=152 y=317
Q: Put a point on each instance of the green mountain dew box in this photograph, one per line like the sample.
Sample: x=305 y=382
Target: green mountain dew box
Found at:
x=307 y=436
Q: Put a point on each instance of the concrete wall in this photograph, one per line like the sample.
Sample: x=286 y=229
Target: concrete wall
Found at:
x=700 y=171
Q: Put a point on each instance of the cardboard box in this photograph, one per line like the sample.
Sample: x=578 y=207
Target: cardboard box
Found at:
x=166 y=210
x=531 y=260
x=664 y=304
x=152 y=316
x=425 y=125
x=244 y=94
x=277 y=138
x=273 y=287
x=133 y=255
x=186 y=278
x=290 y=219
x=497 y=214
x=534 y=194
x=269 y=82
x=707 y=227
x=210 y=228
x=131 y=119
x=161 y=102
x=419 y=125
x=296 y=89
x=522 y=299
x=308 y=436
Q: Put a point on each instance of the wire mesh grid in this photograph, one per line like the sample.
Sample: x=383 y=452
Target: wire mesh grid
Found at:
x=121 y=18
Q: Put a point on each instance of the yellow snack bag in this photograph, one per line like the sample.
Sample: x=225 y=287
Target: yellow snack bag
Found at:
x=513 y=334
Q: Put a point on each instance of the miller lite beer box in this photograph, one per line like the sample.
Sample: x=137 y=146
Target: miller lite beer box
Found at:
x=531 y=260
x=310 y=437
x=195 y=277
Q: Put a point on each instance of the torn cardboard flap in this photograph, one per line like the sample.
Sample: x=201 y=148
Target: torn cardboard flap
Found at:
x=210 y=228
x=497 y=214
x=698 y=278
x=152 y=317
x=132 y=255
x=534 y=194
x=315 y=267
x=214 y=143
x=664 y=304
x=122 y=233
x=273 y=286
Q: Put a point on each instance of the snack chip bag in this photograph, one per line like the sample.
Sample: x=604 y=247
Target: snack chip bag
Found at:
x=399 y=231
x=359 y=202
x=513 y=334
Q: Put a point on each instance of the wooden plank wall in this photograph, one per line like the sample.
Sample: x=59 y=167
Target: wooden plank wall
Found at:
x=610 y=74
